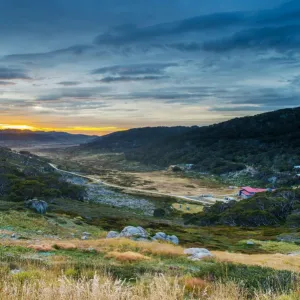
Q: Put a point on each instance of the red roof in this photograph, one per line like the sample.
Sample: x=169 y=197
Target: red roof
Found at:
x=253 y=190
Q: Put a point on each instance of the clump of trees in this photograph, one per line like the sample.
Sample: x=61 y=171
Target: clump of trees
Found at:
x=267 y=209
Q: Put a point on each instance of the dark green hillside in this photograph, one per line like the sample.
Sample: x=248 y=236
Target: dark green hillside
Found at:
x=268 y=142
x=133 y=139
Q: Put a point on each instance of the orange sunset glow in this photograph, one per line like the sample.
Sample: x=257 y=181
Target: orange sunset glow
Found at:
x=71 y=129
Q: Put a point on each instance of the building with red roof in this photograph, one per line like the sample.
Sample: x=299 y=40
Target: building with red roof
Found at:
x=247 y=192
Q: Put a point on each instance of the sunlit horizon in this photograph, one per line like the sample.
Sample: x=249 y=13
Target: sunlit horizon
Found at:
x=72 y=130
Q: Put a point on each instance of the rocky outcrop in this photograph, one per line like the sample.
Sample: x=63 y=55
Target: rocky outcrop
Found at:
x=39 y=206
x=131 y=231
x=197 y=253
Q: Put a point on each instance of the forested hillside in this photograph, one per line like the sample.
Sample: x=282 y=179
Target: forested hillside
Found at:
x=137 y=138
x=269 y=141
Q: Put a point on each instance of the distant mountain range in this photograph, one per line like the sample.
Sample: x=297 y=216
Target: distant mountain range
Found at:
x=26 y=138
x=269 y=141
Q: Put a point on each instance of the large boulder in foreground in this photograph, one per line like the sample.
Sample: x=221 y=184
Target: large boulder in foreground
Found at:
x=161 y=236
x=197 y=253
x=39 y=206
x=134 y=232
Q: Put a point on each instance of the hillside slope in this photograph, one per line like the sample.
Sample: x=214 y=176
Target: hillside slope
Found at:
x=129 y=140
x=269 y=141
x=24 y=176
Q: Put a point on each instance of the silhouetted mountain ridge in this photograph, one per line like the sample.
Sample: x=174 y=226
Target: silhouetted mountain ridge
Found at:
x=12 y=137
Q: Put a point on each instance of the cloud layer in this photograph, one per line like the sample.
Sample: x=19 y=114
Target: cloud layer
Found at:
x=143 y=63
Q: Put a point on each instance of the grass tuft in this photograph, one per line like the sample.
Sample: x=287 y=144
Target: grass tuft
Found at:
x=128 y=256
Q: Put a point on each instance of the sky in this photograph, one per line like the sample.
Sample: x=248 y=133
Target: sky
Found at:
x=98 y=66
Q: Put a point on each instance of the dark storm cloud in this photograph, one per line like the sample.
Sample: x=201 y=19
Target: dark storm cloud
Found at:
x=132 y=33
x=269 y=29
x=136 y=69
x=130 y=78
x=282 y=38
x=13 y=73
x=69 y=83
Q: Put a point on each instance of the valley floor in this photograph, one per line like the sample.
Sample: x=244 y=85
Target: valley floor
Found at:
x=64 y=254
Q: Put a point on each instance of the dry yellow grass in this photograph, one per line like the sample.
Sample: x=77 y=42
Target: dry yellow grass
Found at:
x=193 y=208
x=197 y=285
x=107 y=245
x=105 y=288
x=123 y=244
x=167 y=183
x=275 y=261
x=128 y=256
x=64 y=246
x=157 y=248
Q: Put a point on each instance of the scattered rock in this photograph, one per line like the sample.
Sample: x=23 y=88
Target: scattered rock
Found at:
x=90 y=249
x=296 y=253
x=39 y=206
x=112 y=235
x=13 y=236
x=140 y=234
x=197 y=253
x=289 y=238
x=250 y=243
x=86 y=233
x=161 y=236
x=173 y=239
x=15 y=271
x=84 y=237
x=131 y=231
